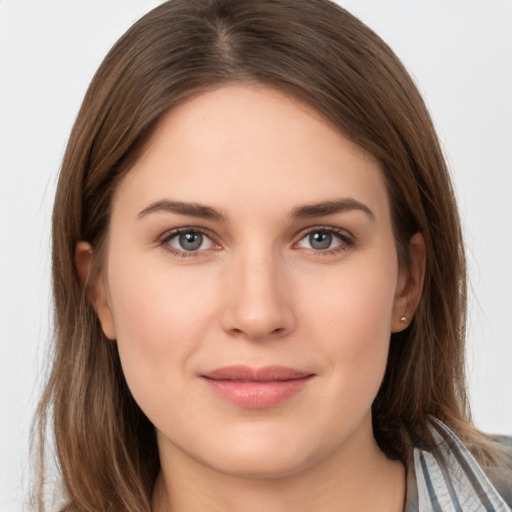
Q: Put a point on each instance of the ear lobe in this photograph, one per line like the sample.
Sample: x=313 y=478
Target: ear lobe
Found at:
x=410 y=285
x=94 y=287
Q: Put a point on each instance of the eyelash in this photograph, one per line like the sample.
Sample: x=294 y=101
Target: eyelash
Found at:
x=167 y=237
x=347 y=240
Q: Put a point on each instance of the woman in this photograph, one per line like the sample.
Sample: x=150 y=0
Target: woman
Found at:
x=259 y=276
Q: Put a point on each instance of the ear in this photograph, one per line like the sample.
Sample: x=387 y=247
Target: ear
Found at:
x=410 y=285
x=95 y=288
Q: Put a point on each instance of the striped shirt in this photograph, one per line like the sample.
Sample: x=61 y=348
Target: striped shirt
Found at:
x=454 y=482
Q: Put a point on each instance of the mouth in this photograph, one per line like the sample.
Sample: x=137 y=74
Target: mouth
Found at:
x=256 y=388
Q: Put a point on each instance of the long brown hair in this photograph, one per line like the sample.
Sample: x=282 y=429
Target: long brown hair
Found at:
x=321 y=54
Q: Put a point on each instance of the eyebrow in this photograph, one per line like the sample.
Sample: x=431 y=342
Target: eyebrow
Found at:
x=330 y=208
x=181 y=208
x=322 y=209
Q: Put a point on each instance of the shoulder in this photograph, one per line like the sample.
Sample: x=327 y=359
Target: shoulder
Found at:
x=448 y=477
x=501 y=475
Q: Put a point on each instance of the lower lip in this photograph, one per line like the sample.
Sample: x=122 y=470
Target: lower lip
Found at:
x=257 y=395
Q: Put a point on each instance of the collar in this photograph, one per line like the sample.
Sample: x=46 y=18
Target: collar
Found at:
x=450 y=479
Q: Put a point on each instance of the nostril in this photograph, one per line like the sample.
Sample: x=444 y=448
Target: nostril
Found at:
x=254 y=332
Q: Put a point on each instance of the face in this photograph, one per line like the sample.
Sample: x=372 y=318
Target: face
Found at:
x=251 y=282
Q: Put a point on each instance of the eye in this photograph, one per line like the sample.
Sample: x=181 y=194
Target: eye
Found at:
x=320 y=240
x=326 y=240
x=188 y=240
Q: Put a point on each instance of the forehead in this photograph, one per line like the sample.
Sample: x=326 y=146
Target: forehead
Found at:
x=241 y=145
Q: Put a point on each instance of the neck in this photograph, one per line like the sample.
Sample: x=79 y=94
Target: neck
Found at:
x=357 y=477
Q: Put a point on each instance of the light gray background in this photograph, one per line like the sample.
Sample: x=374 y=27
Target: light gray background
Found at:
x=460 y=53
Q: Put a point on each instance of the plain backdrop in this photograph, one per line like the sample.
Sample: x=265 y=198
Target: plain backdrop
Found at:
x=458 y=51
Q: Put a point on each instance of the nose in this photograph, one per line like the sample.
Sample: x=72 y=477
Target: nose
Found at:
x=258 y=299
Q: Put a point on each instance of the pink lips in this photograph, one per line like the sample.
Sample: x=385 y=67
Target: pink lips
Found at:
x=256 y=388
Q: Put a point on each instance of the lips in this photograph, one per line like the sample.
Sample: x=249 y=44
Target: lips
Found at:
x=256 y=388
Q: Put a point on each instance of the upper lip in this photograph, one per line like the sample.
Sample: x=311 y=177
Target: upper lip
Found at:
x=244 y=373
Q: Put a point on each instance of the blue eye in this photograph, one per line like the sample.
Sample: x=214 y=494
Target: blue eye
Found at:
x=188 y=241
x=320 y=240
x=325 y=240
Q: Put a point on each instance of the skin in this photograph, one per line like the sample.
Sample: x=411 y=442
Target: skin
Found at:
x=257 y=292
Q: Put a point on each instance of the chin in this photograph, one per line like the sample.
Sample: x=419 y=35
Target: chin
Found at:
x=262 y=466
x=264 y=455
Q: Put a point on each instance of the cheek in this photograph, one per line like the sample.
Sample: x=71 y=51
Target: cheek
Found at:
x=352 y=319
x=356 y=298
x=161 y=318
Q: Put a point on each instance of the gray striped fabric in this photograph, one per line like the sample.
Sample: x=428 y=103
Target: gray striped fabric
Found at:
x=455 y=484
